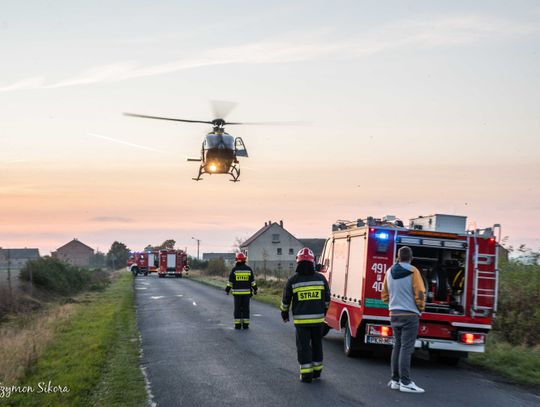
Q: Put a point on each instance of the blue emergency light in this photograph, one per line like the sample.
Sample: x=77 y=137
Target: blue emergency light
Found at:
x=382 y=236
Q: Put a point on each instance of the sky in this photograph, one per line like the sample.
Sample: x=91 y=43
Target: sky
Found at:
x=408 y=108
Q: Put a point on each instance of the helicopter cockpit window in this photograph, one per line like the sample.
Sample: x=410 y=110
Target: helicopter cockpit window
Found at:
x=217 y=140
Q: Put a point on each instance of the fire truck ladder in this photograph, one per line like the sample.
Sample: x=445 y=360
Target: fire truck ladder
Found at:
x=488 y=277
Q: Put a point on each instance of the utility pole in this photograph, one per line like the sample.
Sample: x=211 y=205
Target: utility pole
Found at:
x=198 y=244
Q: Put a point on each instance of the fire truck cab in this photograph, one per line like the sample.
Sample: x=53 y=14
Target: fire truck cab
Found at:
x=172 y=263
x=459 y=269
x=142 y=262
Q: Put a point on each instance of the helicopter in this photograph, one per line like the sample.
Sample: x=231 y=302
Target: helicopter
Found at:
x=219 y=151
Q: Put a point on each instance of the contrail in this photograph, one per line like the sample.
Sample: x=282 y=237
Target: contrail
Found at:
x=127 y=143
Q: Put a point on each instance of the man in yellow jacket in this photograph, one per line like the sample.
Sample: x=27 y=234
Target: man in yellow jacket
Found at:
x=405 y=293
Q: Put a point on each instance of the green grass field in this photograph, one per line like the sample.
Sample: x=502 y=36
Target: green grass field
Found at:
x=95 y=355
x=520 y=364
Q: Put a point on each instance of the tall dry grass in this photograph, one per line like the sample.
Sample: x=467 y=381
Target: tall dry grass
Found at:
x=23 y=341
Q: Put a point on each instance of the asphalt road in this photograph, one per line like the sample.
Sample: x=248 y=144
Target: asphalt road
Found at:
x=193 y=357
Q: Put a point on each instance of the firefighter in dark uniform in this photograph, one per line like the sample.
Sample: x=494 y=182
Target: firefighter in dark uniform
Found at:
x=310 y=296
x=242 y=284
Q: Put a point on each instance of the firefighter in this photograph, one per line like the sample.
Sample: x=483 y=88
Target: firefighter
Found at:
x=310 y=296
x=242 y=284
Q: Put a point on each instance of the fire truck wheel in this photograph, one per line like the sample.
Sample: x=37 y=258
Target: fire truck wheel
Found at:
x=350 y=343
x=325 y=330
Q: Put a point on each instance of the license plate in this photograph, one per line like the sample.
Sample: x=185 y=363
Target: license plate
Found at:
x=380 y=340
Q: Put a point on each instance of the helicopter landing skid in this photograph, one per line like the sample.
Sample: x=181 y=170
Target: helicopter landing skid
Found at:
x=234 y=173
x=201 y=172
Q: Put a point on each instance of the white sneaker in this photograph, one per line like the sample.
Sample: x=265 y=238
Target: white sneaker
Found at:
x=393 y=384
x=410 y=388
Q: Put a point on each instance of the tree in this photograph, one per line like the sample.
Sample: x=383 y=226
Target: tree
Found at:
x=168 y=244
x=238 y=244
x=196 y=264
x=98 y=260
x=118 y=255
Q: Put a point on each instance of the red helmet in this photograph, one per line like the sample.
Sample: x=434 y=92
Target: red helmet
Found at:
x=305 y=254
x=240 y=257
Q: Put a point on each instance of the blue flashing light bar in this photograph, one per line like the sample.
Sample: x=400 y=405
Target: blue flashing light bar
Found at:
x=382 y=235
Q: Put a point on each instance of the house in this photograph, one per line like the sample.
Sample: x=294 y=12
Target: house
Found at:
x=15 y=259
x=273 y=248
x=75 y=253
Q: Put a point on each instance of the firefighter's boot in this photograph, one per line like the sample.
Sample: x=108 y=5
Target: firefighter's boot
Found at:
x=317 y=370
x=306 y=377
x=245 y=324
x=237 y=324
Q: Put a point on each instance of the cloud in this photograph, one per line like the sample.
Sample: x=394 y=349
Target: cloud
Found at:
x=425 y=33
x=126 y=143
x=29 y=83
x=112 y=219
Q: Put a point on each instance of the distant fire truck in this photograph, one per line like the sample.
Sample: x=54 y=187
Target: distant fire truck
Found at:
x=142 y=262
x=460 y=273
x=172 y=263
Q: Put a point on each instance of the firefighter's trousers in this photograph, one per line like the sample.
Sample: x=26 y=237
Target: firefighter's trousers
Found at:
x=241 y=309
x=309 y=348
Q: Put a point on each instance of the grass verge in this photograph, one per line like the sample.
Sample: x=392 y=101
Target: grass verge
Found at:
x=94 y=355
x=520 y=364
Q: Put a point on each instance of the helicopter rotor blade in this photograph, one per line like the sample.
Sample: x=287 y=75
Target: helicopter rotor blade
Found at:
x=293 y=123
x=221 y=108
x=144 y=116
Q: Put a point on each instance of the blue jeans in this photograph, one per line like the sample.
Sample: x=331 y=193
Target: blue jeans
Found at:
x=405 y=330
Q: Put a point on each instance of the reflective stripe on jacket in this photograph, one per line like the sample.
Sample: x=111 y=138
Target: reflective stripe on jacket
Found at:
x=310 y=298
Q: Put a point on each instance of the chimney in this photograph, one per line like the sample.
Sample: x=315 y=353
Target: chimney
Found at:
x=265 y=224
x=281 y=223
x=269 y=222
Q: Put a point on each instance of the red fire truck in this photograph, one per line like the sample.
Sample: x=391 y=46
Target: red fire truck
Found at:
x=143 y=262
x=172 y=263
x=460 y=273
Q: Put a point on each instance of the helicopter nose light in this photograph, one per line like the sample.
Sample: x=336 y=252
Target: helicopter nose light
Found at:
x=212 y=167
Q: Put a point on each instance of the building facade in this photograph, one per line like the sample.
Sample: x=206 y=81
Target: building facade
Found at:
x=272 y=248
x=75 y=253
x=15 y=259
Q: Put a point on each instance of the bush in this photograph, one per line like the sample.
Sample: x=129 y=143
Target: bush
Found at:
x=518 y=315
x=61 y=278
x=196 y=264
x=216 y=267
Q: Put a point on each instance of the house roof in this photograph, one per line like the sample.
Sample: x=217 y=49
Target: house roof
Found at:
x=258 y=233
x=74 y=241
x=20 y=254
x=316 y=245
